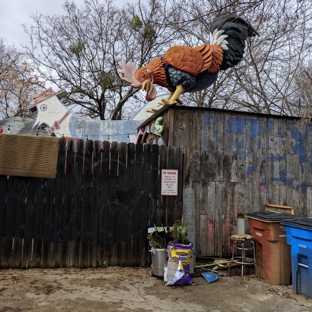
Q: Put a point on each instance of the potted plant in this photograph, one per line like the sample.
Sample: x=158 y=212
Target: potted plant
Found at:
x=158 y=237
x=179 y=232
x=171 y=253
x=179 y=251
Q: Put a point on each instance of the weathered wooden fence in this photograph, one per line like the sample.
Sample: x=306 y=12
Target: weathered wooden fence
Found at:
x=96 y=211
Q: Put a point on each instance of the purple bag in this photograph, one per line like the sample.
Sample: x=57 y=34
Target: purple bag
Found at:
x=179 y=260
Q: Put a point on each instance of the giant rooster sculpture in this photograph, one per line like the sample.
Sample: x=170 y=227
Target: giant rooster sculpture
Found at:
x=185 y=69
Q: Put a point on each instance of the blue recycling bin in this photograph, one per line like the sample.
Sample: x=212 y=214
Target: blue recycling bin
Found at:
x=299 y=237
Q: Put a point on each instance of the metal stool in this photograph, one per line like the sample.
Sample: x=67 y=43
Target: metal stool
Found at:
x=243 y=243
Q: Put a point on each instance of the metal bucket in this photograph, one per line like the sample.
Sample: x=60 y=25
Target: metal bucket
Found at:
x=159 y=260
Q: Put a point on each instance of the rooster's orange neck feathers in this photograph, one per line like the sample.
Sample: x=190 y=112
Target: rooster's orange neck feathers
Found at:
x=158 y=69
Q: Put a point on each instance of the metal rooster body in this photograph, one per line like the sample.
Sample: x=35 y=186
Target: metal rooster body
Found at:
x=185 y=69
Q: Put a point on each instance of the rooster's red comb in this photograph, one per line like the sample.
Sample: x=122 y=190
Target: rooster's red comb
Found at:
x=128 y=70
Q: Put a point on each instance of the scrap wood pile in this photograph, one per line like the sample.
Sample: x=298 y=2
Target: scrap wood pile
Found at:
x=220 y=266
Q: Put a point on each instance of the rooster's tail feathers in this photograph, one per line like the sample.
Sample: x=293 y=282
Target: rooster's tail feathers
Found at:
x=231 y=32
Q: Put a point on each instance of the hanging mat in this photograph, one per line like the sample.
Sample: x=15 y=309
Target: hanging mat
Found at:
x=28 y=155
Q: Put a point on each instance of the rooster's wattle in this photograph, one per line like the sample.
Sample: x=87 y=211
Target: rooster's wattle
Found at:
x=185 y=69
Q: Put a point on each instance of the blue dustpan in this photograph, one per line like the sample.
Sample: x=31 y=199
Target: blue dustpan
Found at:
x=210 y=277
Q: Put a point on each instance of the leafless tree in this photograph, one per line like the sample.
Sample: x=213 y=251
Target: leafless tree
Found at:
x=80 y=50
x=302 y=106
x=265 y=80
x=18 y=83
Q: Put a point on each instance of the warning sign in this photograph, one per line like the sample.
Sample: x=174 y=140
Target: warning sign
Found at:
x=169 y=182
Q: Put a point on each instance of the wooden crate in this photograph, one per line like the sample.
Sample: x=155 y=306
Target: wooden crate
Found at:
x=279 y=208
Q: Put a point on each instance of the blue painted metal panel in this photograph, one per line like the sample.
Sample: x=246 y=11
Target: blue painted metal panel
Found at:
x=247 y=161
x=263 y=141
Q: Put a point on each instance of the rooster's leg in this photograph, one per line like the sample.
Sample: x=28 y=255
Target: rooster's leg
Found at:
x=162 y=101
x=174 y=97
x=169 y=97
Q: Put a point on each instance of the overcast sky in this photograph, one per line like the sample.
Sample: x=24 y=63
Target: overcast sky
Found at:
x=14 y=13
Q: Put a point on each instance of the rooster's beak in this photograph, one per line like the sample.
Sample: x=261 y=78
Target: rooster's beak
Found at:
x=146 y=85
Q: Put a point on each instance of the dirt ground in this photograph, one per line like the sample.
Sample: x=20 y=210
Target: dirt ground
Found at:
x=134 y=289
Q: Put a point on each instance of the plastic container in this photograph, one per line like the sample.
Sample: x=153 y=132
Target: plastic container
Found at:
x=159 y=260
x=299 y=237
x=273 y=261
